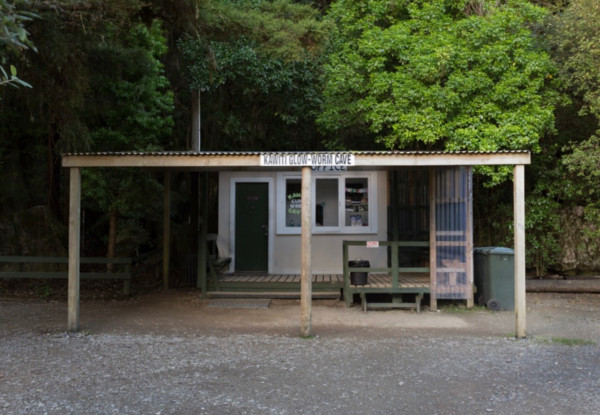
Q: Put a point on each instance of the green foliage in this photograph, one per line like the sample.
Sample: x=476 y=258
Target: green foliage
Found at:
x=251 y=40
x=564 y=341
x=131 y=110
x=281 y=28
x=574 y=36
x=13 y=37
x=493 y=210
x=214 y=63
x=134 y=194
x=66 y=33
x=582 y=162
x=44 y=291
x=406 y=74
x=256 y=64
x=542 y=227
x=12 y=79
x=100 y=86
x=132 y=105
x=454 y=75
x=584 y=177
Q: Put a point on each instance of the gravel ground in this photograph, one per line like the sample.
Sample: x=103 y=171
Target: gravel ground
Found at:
x=170 y=354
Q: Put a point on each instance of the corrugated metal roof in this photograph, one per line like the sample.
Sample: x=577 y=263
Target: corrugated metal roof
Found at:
x=282 y=159
x=257 y=153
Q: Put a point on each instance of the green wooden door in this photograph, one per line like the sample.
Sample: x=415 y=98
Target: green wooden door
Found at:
x=251 y=227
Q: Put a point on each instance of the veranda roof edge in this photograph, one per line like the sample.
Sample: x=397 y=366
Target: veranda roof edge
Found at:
x=221 y=159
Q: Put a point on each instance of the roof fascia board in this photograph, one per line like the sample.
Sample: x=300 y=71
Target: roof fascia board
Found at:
x=441 y=159
x=187 y=161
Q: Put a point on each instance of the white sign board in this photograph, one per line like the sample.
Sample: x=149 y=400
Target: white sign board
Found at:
x=306 y=159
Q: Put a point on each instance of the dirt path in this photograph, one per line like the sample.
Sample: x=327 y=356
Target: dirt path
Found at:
x=184 y=312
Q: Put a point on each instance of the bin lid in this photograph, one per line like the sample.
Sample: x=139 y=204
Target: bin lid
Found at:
x=493 y=250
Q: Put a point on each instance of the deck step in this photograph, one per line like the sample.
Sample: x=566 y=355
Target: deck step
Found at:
x=273 y=294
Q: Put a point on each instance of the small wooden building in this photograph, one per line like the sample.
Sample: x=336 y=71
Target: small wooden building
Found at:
x=301 y=213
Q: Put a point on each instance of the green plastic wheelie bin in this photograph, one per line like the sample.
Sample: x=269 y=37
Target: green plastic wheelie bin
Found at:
x=495 y=277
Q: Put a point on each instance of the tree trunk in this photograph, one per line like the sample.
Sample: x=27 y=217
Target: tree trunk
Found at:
x=112 y=237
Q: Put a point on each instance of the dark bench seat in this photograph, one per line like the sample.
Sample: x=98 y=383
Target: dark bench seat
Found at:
x=416 y=284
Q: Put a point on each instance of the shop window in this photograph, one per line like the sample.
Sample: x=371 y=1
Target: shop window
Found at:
x=356 y=193
x=327 y=205
x=342 y=203
x=293 y=202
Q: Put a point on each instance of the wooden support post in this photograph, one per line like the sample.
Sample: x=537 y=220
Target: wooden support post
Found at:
x=166 y=229
x=306 y=272
x=74 y=248
x=519 y=229
x=432 y=243
x=202 y=242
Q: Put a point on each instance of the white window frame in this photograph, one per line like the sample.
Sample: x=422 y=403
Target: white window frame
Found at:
x=341 y=228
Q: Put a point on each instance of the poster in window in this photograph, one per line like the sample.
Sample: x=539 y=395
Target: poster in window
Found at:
x=293 y=203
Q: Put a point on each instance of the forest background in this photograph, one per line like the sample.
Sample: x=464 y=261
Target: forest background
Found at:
x=298 y=75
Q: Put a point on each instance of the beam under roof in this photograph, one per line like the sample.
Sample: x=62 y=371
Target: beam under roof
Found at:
x=229 y=160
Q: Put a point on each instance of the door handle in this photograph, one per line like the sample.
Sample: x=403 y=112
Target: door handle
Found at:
x=266 y=229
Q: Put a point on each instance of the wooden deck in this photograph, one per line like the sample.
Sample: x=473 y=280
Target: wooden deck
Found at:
x=322 y=284
x=329 y=285
x=279 y=278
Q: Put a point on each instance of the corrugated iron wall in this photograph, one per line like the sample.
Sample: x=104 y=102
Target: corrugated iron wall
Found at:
x=453 y=233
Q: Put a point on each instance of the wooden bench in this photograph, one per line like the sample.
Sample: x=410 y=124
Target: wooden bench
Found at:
x=409 y=284
x=123 y=275
x=396 y=281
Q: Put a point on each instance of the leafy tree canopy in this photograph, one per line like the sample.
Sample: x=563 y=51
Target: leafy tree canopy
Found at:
x=99 y=85
x=256 y=63
x=574 y=36
x=131 y=109
x=282 y=28
x=13 y=38
x=132 y=105
x=250 y=39
x=453 y=74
